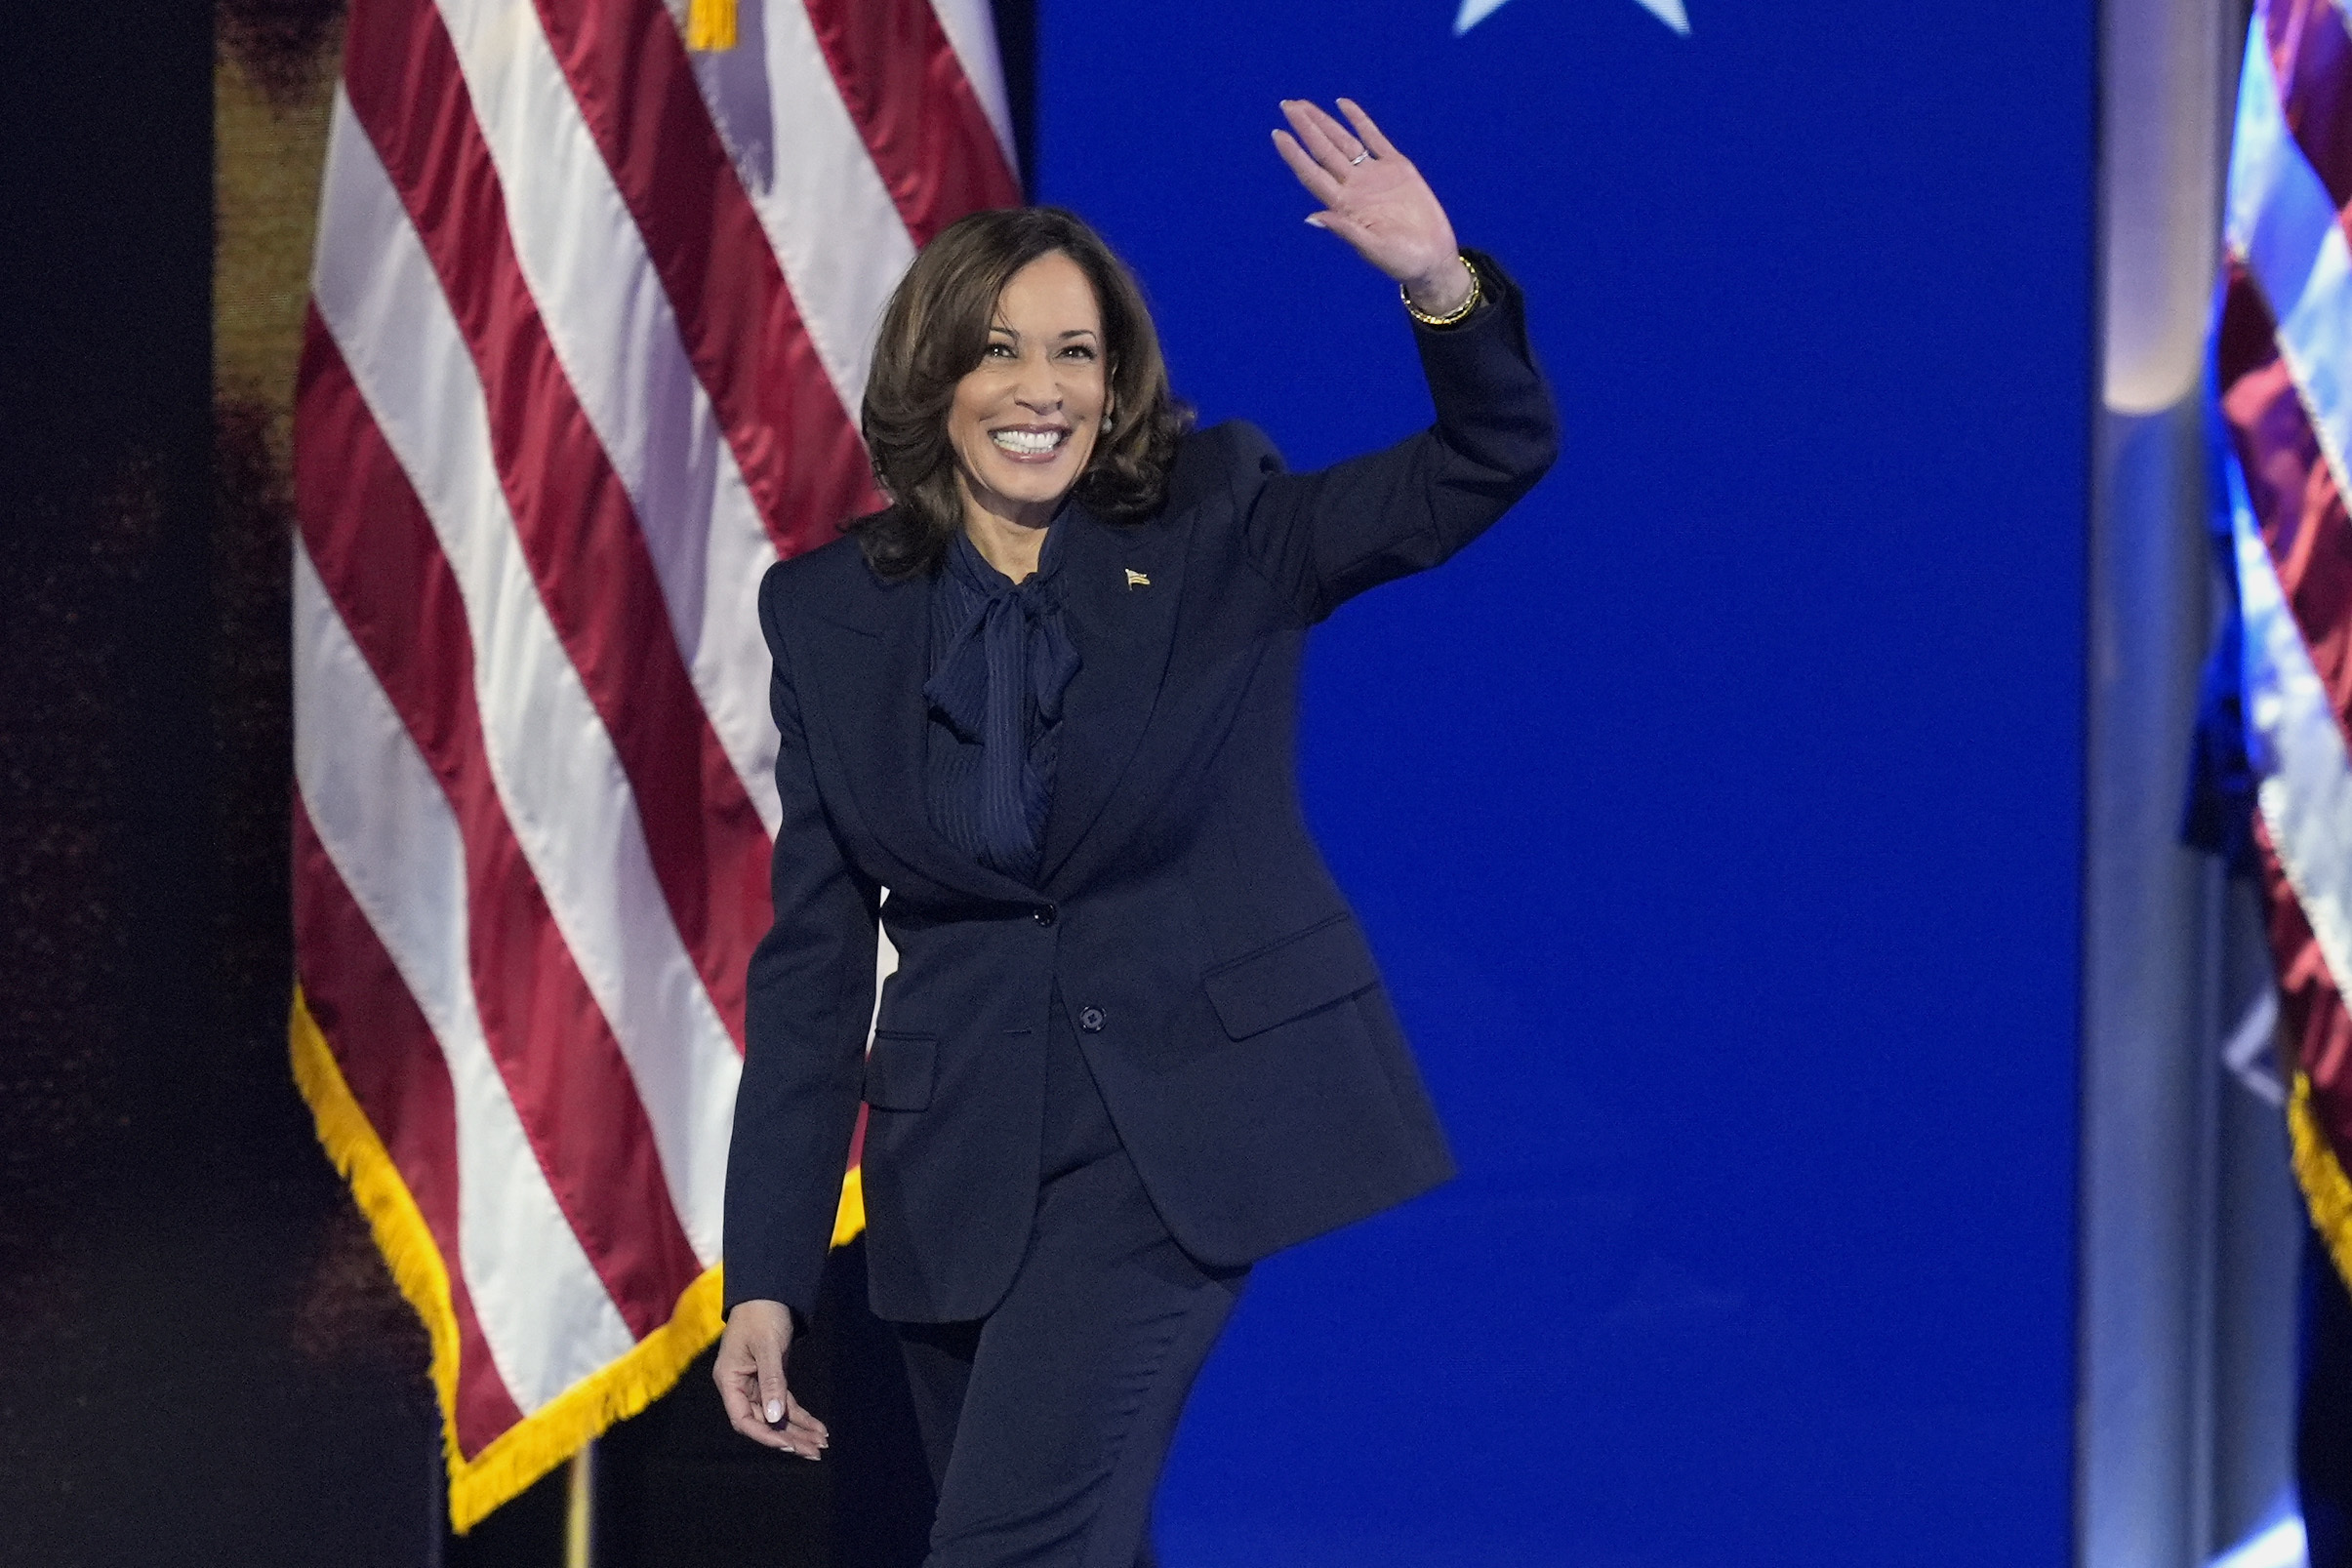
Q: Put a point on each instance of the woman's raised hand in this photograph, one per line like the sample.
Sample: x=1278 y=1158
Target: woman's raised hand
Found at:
x=1376 y=200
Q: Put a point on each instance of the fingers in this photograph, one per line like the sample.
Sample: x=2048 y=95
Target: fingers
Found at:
x=1319 y=182
x=1332 y=145
x=727 y=1370
x=1365 y=130
x=795 y=1431
x=745 y=1418
x=1341 y=225
x=791 y=1428
x=738 y=1390
x=804 y=1430
x=732 y=1395
x=749 y=1370
x=737 y=1375
x=1350 y=148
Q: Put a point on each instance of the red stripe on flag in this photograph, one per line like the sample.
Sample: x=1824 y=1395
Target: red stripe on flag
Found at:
x=571 y=511
x=2311 y=1007
x=377 y=553
x=2311 y=57
x=797 y=448
x=2289 y=483
x=915 y=109
x=2245 y=339
x=388 y=1058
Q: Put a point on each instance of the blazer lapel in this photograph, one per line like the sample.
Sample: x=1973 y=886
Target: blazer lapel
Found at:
x=873 y=652
x=1119 y=587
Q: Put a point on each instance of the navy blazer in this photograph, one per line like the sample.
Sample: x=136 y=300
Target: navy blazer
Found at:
x=1214 y=976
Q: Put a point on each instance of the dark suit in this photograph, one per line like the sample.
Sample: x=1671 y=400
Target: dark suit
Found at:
x=1095 y=1101
x=1216 y=980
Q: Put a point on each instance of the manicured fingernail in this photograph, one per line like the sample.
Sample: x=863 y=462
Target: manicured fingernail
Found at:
x=774 y=1412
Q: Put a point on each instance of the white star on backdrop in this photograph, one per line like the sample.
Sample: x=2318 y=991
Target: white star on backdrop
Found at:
x=1669 y=11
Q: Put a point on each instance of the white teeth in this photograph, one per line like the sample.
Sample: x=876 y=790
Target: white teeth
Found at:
x=1029 y=443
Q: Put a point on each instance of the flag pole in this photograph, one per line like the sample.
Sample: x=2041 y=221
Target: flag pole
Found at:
x=580 y=1518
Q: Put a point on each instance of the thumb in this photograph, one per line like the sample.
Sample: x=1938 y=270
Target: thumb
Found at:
x=767 y=1358
x=1346 y=228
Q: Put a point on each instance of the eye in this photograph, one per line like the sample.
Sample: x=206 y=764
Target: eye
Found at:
x=1078 y=351
x=1000 y=350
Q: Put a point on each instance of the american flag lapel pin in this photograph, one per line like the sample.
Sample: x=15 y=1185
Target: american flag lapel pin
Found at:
x=1136 y=579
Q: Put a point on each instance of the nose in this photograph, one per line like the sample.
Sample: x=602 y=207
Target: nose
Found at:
x=1039 y=389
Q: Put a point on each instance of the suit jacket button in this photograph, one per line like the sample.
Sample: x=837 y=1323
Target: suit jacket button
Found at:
x=1045 y=914
x=1090 y=1019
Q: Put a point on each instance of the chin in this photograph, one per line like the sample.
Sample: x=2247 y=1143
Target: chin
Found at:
x=1026 y=487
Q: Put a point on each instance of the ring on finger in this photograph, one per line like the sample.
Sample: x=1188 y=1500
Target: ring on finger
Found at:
x=1359 y=157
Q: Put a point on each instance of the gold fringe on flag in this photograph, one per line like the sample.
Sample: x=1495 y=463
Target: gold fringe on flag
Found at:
x=547 y=1437
x=850 y=1218
x=2326 y=1192
x=710 y=25
x=552 y=1433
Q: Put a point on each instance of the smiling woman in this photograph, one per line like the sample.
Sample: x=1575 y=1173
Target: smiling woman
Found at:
x=1021 y=322
x=1025 y=419
x=1048 y=698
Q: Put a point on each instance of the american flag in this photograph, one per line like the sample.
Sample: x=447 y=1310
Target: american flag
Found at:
x=2283 y=351
x=589 y=327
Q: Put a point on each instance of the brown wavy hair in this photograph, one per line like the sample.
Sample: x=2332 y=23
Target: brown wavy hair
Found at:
x=935 y=332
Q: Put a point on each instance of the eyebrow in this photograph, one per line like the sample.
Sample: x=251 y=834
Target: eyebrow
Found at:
x=1073 y=332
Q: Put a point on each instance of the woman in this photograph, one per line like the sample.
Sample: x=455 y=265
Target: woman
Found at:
x=1047 y=699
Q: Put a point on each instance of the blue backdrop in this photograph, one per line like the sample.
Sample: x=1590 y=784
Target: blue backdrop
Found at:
x=1717 y=818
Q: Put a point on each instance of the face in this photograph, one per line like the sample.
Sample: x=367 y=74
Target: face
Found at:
x=1025 y=420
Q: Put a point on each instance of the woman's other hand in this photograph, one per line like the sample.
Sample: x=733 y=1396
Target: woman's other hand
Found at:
x=1376 y=200
x=750 y=1371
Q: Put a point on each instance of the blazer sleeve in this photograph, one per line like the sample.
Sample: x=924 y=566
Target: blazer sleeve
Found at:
x=810 y=998
x=1323 y=536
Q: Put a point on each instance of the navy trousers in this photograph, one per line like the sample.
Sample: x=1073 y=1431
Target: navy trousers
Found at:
x=1046 y=1423
x=2322 y=1438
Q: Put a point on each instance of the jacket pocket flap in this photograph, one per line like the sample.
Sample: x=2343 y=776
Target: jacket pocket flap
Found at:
x=1295 y=977
x=898 y=1071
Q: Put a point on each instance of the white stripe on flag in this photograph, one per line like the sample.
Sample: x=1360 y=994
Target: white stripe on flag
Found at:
x=612 y=327
x=385 y=822
x=557 y=775
x=2281 y=220
x=830 y=218
x=2295 y=745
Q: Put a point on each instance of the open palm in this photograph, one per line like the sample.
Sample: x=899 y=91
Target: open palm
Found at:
x=1374 y=199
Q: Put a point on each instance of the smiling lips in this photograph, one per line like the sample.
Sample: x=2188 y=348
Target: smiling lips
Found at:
x=1031 y=443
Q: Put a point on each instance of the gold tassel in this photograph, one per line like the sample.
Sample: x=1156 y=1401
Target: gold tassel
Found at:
x=710 y=25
